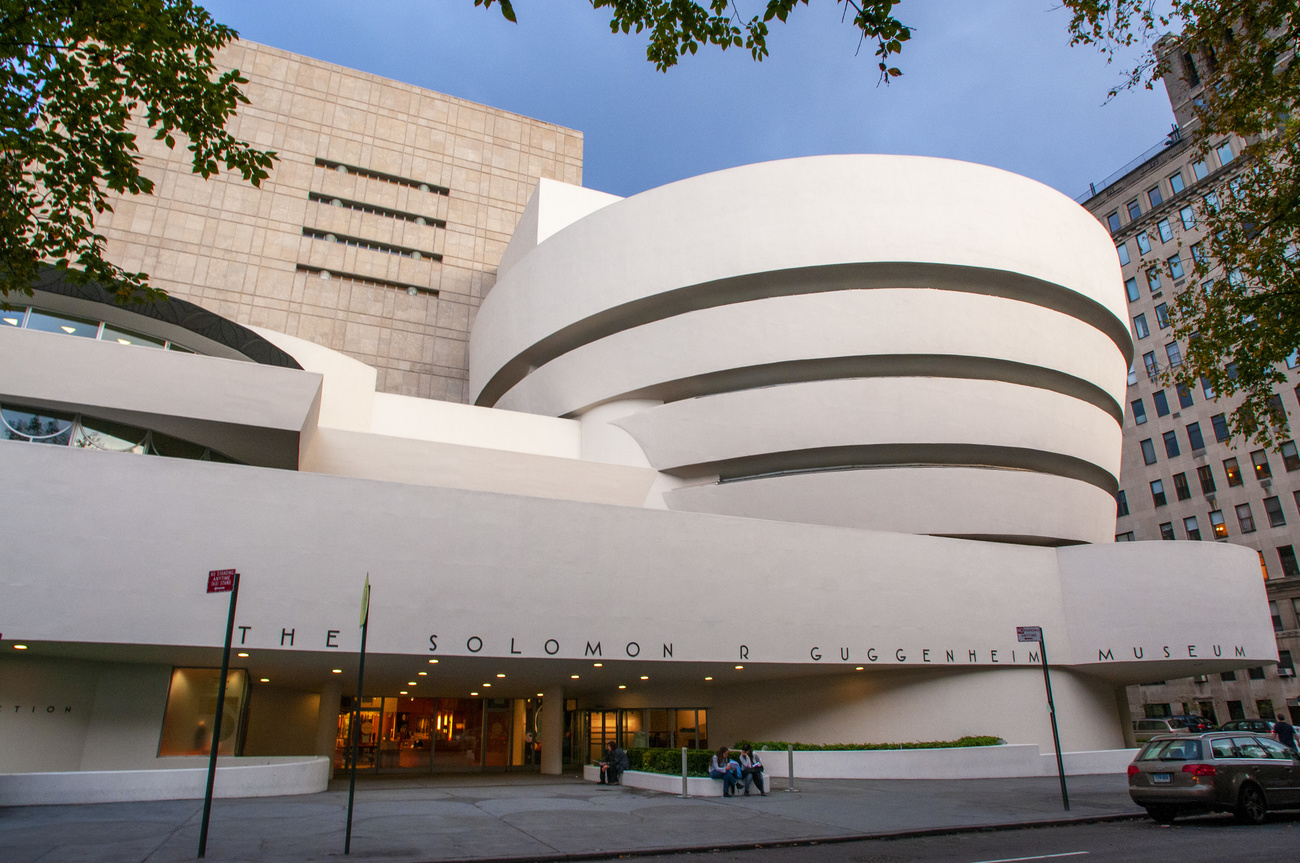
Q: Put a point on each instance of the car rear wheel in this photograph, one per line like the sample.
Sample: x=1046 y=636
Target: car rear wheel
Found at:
x=1162 y=814
x=1251 y=806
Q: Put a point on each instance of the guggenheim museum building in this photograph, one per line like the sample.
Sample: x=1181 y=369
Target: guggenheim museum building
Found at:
x=782 y=452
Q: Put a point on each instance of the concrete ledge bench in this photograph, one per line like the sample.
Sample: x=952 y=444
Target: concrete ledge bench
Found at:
x=696 y=786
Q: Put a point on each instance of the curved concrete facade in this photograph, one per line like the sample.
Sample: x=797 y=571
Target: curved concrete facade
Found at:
x=771 y=325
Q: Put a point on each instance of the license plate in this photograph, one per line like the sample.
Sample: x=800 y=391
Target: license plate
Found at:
x=1161 y=778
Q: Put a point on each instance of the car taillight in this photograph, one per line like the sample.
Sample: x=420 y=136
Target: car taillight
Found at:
x=1133 y=770
x=1199 y=769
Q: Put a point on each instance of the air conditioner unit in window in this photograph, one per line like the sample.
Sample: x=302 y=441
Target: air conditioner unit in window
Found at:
x=1286 y=672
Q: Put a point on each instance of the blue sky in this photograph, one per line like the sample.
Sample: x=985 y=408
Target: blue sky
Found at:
x=993 y=82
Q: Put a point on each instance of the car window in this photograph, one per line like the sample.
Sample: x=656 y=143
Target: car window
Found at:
x=1275 y=749
x=1249 y=747
x=1173 y=723
x=1171 y=750
x=1222 y=748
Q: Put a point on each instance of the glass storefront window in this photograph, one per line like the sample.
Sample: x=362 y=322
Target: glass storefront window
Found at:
x=12 y=317
x=36 y=426
x=126 y=337
x=110 y=436
x=52 y=322
x=191 y=711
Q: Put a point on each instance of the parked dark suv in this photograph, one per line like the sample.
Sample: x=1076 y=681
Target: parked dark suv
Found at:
x=1219 y=771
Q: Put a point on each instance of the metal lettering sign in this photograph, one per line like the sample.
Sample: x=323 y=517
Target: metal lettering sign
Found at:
x=221 y=580
x=1029 y=633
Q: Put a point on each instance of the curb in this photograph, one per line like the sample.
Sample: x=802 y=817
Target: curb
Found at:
x=808 y=840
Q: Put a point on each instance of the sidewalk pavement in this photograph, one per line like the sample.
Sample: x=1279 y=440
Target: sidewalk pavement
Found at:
x=530 y=817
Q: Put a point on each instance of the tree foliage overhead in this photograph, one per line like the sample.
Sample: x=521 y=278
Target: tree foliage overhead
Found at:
x=1240 y=316
x=680 y=27
x=73 y=75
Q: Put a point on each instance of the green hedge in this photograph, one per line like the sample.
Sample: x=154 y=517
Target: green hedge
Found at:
x=843 y=747
x=669 y=761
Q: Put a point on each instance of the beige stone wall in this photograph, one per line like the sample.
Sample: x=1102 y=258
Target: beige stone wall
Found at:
x=239 y=251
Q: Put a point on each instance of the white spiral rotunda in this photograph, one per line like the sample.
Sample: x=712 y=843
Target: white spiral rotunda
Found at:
x=899 y=343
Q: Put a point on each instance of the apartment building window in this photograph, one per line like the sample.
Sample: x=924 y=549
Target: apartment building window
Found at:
x=1224 y=152
x=1293 y=359
x=1198 y=253
x=1194 y=436
x=1184 y=394
x=1140 y=328
x=1122 y=251
x=1206 y=475
x=1176 y=181
x=1159 y=400
x=1228 y=677
x=1206 y=389
x=1276 y=614
x=1275 y=407
x=1260 y=459
x=1231 y=371
x=1290 y=457
x=1256 y=673
x=1149 y=454
x=1273 y=508
x=1166 y=232
x=1175 y=266
x=1162 y=316
x=1297 y=499
x=1121 y=504
x=1112 y=221
x=1245 y=520
x=1290 y=566
x=1158 y=493
x=1134 y=211
x=1139 y=412
x=1171 y=444
x=1235 y=710
x=1191 y=527
x=1153 y=367
x=1211 y=202
x=1175 y=359
x=1188 y=217
x=1131 y=286
x=1181 y=490
x=1200 y=169
x=1154 y=196
x=1285 y=664
x=1132 y=374
x=1220 y=423
x=1126 y=536
x=1144 y=242
x=1233 y=471
x=1295 y=606
x=1167 y=530
x=1217 y=523
x=1153 y=281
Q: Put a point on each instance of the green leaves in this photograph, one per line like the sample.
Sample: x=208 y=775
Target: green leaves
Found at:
x=73 y=75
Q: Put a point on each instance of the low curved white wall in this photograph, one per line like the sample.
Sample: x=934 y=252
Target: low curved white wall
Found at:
x=236 y=777
x=1047 y=507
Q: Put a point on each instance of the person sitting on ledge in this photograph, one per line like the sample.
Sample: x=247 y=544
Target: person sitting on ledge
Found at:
x=611 y=769
x=720 y=767
x=751 y=769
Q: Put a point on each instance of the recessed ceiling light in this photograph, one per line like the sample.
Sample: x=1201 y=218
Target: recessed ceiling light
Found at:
x=242 y=655
x=621 y=686
x=573 y=677
x=403 y=692
x=410 y=683
x=488 y=685
x=708 y=678
x=20 y=647
x=598 y=665
x=644 y=677
x=68 y=329
x=422 y=673
x=266 y=680
x=123 y=342
x=739 y=667
x=336 y=670
x=433 y=662
x=859 y=668
x=473 y=693
x=539 y=695
x=500 y=675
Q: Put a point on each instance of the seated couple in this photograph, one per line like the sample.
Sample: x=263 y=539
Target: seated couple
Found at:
x=750 y=769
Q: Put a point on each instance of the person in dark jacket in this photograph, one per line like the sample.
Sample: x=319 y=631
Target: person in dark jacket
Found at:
x=1284 y=732
x=611 y=769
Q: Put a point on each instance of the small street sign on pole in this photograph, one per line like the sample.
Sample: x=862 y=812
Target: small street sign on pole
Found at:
x=219 y=581
x=356 y=711
x=1035 y=634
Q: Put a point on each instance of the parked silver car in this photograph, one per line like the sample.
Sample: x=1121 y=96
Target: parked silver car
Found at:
x=1217 y=771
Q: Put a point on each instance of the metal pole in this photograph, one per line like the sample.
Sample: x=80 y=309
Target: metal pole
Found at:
x=685 y=791
x=789 y=751
x=216 y=721
x=1056 y=737
x=356 y=732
